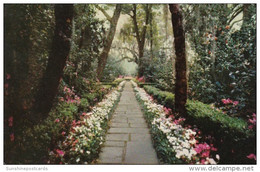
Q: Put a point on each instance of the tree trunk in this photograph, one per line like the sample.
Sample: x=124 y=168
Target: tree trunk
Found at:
x=140 y=38
x=246 y=15
x=180 y=64
x=56 y=62
x=151 y=35
x=102 y=60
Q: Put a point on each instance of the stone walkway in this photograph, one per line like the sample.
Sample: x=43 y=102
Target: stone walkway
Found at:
x=128 y=140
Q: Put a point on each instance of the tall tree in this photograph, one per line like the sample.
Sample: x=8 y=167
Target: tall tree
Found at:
x=140 y=36
x=102 y=60
x=56 y=62
x=180 y=64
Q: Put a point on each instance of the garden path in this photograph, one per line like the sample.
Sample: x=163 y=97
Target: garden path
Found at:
x=128 y=140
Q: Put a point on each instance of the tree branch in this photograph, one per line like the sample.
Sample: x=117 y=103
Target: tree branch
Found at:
x=131 y=51
x=129 y=59
x=235 y=23
x=235 y=14
x=104 y=12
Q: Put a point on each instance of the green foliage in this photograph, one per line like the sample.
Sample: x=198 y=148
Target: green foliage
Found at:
x=163 y=97
x=213 y=120
x=84 y=105
x=113 y=69
x=37 y=141
x=28 y=35
x=87 y=40
x=225 y=56
x=118 y=81
x=159 y=70
x=231 y=134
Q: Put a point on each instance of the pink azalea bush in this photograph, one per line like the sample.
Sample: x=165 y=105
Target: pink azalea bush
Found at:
x=70 y=96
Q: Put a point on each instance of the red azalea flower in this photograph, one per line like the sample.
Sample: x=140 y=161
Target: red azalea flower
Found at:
x=57 y=120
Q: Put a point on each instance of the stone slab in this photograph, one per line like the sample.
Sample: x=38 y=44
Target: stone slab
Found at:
x=117 y=137
x=119 y=120
x=139 y=120
x=140 y=137
x=109 y=143
x=128 y=130
x=140 y=152
x=138 y=125
x=119 y=125
x=111 y=155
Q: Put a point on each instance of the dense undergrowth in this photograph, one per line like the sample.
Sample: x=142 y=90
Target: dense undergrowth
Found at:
x=42 y=143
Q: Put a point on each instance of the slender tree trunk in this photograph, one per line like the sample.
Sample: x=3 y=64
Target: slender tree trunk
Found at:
x=56 y=62
x=151 y=34
x=180 y=65
x=140 y=37
x=165 y=17
x=102 y=60
x=246 y=15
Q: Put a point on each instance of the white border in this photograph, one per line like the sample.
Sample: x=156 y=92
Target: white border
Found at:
x=114 y=168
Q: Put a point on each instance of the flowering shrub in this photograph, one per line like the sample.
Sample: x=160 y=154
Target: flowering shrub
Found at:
x=86 y=135
x=174 y=143
x=70 y=96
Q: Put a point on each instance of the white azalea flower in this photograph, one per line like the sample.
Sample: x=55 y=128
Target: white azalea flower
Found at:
x=212 y=161
x=217 y=157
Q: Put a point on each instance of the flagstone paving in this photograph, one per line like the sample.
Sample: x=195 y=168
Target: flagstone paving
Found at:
x=128 y=140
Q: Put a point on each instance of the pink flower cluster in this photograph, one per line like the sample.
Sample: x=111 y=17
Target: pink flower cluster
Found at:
x=60 y=152
x=252 y=122
x=70 y=96
x=179 y=121
x=203 y=149
x=167 y=111
x=229 y=101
